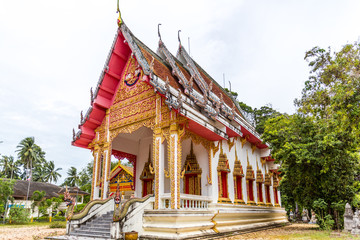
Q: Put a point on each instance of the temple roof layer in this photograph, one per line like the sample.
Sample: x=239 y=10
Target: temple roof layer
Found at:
x=187 y=88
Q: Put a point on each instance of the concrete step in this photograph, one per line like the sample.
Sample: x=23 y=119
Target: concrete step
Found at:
x=90 y=234
x=100 y=222
x=89 y=228
x=95 y=231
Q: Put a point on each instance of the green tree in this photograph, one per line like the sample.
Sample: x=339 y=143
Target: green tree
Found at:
x=19 y=214
x=318 y=146
x=28 y=153
x=38 y=198
x=50 y=173
x=73 y=177
x=10 y=167
x=258 y=116
x=6 y=192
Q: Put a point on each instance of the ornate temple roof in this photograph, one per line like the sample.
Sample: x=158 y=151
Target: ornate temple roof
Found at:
x=180 y=80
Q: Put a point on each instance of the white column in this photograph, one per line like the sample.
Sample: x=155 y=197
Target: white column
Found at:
x=95 y=193
x=105 y=176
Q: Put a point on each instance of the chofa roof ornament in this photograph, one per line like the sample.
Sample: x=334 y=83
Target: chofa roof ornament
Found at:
x=119 y=20
x=179 y=37
x=159 y=31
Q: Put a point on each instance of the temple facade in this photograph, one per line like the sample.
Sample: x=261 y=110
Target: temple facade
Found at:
x=203 y=168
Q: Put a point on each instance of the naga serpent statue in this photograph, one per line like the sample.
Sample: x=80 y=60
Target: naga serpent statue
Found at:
x=70 y=203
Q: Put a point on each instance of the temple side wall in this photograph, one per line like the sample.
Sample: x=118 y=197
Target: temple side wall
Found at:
x=243 y=153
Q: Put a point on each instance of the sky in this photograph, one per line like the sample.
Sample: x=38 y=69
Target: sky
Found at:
x=53 y=52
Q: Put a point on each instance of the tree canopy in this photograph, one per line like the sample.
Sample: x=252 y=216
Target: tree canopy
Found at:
x=318 y=146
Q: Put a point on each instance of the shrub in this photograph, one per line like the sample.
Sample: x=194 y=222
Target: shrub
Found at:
x=58 y=218
x=19 y=214
x=79 y=207
x=42 y=219
x=58 y=225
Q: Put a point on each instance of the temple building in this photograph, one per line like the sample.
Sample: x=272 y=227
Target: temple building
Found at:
x=198 y=164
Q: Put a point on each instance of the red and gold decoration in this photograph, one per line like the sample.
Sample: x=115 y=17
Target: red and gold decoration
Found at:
x=259 y=184
x=250 y=177
x=147 y=177
x=223 y=170
x=238 y=178
x=191 y=174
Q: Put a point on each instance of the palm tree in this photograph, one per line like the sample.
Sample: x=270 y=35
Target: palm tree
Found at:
x=38 y=198
x=28 y=154
x=73 y=177
x=13 y=168
x=51 y=174
x=4 y=161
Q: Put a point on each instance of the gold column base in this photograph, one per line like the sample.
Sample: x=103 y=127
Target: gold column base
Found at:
x=224 y=200
x=251 y=203
x=239 y=201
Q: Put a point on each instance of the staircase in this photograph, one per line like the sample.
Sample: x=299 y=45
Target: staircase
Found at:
x=98 y=227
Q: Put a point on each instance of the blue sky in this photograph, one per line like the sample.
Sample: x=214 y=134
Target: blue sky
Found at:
x=52 y=53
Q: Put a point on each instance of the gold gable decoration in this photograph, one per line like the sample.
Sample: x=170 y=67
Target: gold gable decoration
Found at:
x=238 y=170
x=191 y=164
x=223 y=164
x=191 y=173
x=276 y=181
x=148 y=171
x=267 y=179
x=250 y=173
x=259 y=176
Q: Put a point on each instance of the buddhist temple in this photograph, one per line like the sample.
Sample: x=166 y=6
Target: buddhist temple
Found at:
x=199 y=167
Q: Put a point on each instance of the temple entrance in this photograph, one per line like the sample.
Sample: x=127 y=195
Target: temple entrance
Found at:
x=134 y=148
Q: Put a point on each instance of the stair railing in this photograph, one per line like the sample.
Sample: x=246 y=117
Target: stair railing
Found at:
x=92 y=209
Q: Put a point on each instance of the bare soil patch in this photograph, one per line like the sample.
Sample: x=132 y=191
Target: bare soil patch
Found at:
x=297 y=231
x=29 y=233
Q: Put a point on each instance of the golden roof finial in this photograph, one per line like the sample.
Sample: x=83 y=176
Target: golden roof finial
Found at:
x=119 y=20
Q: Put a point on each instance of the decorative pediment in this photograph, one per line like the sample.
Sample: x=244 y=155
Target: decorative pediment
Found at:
x=267 y=179
x=238 y=170
x=223 y=164
x=275 y=180
x=191 y=165
x=148 y=171
x=250 y=173
x=259 y=176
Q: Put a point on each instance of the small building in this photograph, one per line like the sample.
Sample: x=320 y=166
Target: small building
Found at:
x=23 y=199
x=122 y=177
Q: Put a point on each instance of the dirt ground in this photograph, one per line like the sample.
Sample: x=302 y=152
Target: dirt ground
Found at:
x=298 y=231
x=29 y=233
